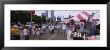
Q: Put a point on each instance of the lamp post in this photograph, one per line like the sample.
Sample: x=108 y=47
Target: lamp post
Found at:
x=31 y=23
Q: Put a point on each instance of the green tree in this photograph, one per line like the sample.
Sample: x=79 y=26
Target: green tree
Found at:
x=37 y=19
x=21 y=16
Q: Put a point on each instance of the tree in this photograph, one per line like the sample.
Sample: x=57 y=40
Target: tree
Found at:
x=25 y=16
x=37 y=19
x=44 y=19
x=21 y=16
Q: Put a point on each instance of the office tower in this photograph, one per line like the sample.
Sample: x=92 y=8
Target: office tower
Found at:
x=46 y=13
x=52 y=15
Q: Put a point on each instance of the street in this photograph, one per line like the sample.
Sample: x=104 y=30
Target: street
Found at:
x=57 y=35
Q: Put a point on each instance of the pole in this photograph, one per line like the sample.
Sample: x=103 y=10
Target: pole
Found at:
x=31 y=23
x=31 y=17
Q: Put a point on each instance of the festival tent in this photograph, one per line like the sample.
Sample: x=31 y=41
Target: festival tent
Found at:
x=81 y=16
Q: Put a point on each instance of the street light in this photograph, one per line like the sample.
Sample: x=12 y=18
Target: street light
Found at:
x=32 y=12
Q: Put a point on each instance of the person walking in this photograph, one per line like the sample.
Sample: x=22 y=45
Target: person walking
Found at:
x=44 y=29
x=33 y=33
x=26 y=33
x=38 y=34
x=69 y=32
x=64 y=29
x=52 y=29
x=81 y=28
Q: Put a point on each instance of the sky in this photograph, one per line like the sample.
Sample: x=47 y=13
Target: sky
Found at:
x=65 y=13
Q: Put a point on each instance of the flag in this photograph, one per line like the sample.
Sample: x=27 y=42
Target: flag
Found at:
x=80 y=17
x=83 y=15
x=87 y=14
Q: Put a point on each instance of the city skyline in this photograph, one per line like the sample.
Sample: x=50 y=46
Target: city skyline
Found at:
x=66 y=13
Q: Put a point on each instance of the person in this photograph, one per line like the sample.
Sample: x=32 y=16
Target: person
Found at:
x=98 y=29
x=38 y=33
x=69 y=32
x=55 y=26
x=81 y=28
x=15 y=33
x=33 y=32
x=30 y=29
x=85 y=27
x=77 y=28
x=41 y=32
x=58 y=27
x=52 y=29
x=26 y=33
x=73 y=30
x=64 y=29
x=44 y=29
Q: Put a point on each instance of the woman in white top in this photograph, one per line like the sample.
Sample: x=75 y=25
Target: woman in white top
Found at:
x=25 y=33
x=69 y=32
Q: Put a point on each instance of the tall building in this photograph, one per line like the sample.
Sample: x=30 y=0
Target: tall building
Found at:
x=52 y=15
x=46 y=13
x=43 y=14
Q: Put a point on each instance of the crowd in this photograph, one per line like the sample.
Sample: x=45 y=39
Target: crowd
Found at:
x=76 y=31
x=83 y=31
x=34 y=31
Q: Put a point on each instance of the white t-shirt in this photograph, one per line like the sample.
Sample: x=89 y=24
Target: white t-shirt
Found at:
x=44 y=27
x=25 y=31
x=64 y=27
x=69 y=34
x=51 y=27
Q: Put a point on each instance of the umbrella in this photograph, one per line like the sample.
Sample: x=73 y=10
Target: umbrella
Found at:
x=15 y=26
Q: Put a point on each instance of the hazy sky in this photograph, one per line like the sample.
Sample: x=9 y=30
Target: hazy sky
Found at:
x=64 y=13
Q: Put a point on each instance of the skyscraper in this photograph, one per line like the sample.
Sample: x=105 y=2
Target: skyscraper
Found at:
x=52 y=15
x=43 y=14
x=46 y=12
